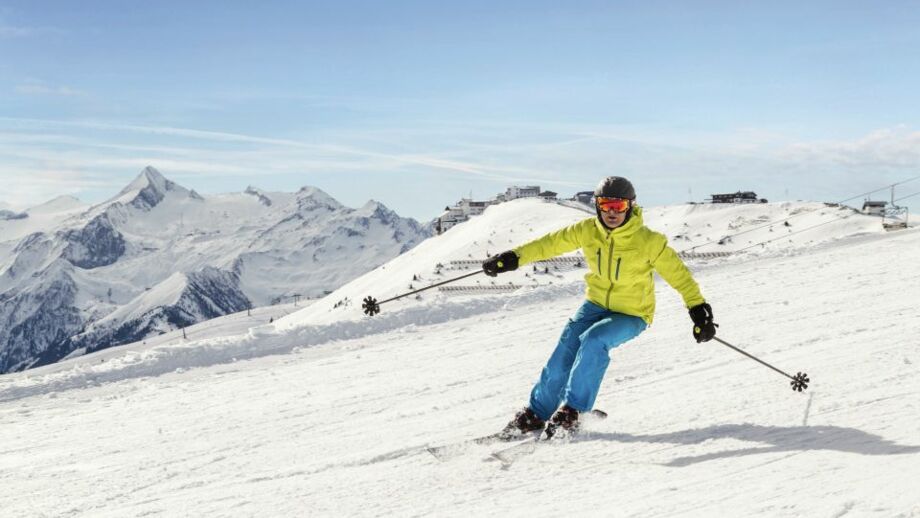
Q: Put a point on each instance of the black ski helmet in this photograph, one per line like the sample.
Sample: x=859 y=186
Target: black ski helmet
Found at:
x=614 y=187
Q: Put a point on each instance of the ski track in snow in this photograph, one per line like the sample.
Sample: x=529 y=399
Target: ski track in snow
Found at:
x=332 y=420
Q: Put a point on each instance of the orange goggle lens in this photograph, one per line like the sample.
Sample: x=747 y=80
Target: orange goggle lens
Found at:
x=618 y=205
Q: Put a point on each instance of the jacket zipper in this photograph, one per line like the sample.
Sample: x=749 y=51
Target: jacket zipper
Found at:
x=609 y=264
x=617 y=276
x=600 y=269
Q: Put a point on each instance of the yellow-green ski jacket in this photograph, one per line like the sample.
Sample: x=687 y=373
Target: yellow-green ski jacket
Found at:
x=621 y=262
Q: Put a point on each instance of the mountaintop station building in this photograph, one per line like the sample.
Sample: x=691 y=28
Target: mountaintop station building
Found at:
x=737 y=197
x=467 y=208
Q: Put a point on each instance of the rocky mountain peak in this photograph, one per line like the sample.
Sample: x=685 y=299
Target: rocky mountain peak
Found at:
x=149 y=177
x=312 y=198
x=377 y=210
x=149 y=188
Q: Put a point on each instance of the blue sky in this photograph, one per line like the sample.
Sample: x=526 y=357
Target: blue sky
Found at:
x=417 y=103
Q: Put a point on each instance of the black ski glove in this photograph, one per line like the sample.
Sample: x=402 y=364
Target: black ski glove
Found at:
x=703 y=326
x=503 y=262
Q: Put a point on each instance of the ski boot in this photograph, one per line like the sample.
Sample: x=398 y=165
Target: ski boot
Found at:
x=566 y=419
x=524 y=422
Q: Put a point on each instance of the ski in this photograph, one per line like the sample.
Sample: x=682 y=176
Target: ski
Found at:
x=509 y=454
x=446 y=451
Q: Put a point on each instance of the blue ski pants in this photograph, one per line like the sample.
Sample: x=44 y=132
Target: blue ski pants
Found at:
x=574 y=372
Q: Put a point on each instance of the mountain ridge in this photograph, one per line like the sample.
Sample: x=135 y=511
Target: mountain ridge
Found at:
x=234 y=250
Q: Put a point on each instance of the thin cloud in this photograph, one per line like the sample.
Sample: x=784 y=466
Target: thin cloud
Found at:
x=31 y=185
x=70 y=178
x=890 y=148
x=200 y=161
x=469 y=168
x=7 y=31
x=41 y=88
x=11 y=31
x=557 y=156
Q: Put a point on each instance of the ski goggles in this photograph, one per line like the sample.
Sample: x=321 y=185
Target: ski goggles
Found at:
x=618 y=205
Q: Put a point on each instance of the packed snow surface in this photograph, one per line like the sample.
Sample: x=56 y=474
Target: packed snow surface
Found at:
x=327 y=412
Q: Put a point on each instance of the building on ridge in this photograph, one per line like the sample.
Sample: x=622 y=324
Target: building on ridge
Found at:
x=586 y=197
x=466 y=208
x=737 y=197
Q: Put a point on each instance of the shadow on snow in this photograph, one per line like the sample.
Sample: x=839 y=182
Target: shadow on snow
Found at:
x=778 y=439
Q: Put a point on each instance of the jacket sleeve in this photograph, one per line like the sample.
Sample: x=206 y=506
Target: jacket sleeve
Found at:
x=552 y=244
x=673 y=270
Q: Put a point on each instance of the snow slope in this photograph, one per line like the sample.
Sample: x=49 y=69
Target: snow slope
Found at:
x=41 y=217
x=697 y=229
x=329 y=417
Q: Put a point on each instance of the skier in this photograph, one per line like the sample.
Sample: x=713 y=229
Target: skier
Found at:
x=621 y=253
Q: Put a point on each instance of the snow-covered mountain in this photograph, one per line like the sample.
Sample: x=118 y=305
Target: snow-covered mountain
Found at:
x=158 y=256
x=16 y=225
x=328 y=412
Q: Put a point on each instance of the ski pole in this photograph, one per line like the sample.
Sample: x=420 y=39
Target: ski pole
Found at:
x=799 y=381
x=372 y=307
